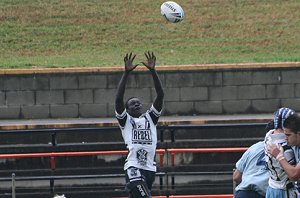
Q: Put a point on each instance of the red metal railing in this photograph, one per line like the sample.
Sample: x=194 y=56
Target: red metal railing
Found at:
x=202 y=150
x=52 y=155
x=202 y=196
x=195 y=196
x=161 y=153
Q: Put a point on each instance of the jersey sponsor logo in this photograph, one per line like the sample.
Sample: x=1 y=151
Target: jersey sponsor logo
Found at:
x=141 y=136
x=142 y=157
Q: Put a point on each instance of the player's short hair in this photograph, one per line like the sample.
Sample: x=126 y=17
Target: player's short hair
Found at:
x=292 y=123
x=126 y=103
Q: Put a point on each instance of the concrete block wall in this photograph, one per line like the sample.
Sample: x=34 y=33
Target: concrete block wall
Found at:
x=189 y=90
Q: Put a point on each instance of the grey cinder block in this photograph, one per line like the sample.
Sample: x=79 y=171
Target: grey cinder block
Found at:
x=11 y=83
x=280 y=91
x=291 y=103
x=10 y=112
x=179 y=80
x=193 y=93
x=290 y=76
x=50 y=97
x=63 y=82
x=171 y=94
x=236 y=106
x=64 y=111
x=223 y=93
x=92 y=81
x=79 y=96
x=2 y=98
x=265 y=106
x=252 y=92
x=102 y=96
x=92 y=110
x=20 y=97
x=237 y=78
x=34 y=83
x=35 y=111
x=179 y=108
x=201 y=79
x=209 y=107
x=266 y=77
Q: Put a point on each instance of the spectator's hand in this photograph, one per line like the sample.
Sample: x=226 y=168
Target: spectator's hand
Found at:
x=128 y=61
x=151 y=59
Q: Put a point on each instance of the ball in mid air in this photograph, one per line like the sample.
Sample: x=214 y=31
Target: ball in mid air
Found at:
x=172 y=11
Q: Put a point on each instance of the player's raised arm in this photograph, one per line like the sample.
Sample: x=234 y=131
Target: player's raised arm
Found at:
x=150 y=64
x=128 y=62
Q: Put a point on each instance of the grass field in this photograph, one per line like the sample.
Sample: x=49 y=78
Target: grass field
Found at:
x=89 y=33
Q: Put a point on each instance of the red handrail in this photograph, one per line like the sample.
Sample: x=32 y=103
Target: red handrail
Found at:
x=173 y=151
x=202 y=196
x=52 y=155
x=206 y=150
x=195 y=196
x=161 y=152
x=62 y=154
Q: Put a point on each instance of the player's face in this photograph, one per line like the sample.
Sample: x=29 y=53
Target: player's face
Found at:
x=292 y=138
x=134 y=107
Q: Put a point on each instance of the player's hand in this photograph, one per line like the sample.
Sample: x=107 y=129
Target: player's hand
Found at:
x=280 y=155
x=273 y=150
x=128 y=61
x=151 y=59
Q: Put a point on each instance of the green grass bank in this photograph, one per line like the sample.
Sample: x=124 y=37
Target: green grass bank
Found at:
x=92 y=33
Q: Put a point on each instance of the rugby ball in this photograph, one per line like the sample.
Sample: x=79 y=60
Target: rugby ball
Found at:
x=172 y=11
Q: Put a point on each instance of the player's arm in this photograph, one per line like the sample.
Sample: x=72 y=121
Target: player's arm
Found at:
x=292 y=171
x=150 y=64
x=119 y=102
x=237 y=176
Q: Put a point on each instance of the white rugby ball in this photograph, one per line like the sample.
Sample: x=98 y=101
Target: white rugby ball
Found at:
x=172 y=11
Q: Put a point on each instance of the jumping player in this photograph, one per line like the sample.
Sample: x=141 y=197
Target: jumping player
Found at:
x=139 y=130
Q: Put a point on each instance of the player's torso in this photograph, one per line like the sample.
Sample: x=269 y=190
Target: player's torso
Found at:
x=140 y=137
x=278 y=178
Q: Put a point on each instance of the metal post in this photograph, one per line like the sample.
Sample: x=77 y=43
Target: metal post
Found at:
x=52 y=186
x=161 y=183
x=172 y=135
x=53 y=141
x=173 y=164
x=161 y=135
x=13 y=185
x=52 y=164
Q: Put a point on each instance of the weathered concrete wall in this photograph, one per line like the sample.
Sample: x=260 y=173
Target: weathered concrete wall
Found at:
x=189 y=90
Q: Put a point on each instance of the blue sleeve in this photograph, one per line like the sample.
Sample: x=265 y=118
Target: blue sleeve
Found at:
x=241 y=164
